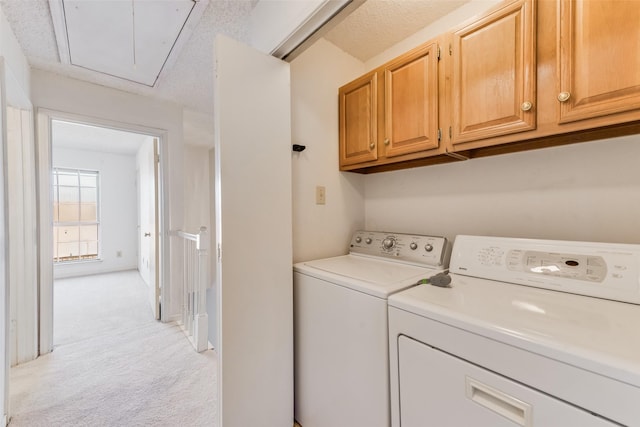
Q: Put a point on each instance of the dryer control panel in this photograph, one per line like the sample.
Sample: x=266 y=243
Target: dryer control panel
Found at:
x=409 y=248
x=603 y=270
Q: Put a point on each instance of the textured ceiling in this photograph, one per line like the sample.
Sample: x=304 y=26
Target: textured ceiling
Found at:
x=189 y=82
x=379 y=24
x=372 y=28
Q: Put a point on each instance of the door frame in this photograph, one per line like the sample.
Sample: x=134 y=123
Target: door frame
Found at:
x=43 y=119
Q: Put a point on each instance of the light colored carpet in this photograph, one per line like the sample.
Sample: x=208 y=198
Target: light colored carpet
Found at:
x=113 y=364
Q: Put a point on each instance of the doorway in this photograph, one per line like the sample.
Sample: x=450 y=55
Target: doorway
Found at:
x=93 y=168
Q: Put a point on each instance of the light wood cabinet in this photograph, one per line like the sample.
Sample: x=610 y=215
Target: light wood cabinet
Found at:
x=411 y=102
x=599 y=59
x=527 y=74
x=494 y=74
x=359 y=120
x=405 y=96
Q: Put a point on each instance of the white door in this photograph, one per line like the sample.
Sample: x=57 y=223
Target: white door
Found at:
x=148 y=264
x=253 y=232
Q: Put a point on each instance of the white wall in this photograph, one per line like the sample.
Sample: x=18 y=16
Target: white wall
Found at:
x=322 y=230
x=587 y=192
x=14 y=83
x=58 y=93
x=117 y=206
x=196 y=188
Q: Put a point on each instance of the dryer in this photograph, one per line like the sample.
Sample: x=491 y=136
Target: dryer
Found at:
x=340 y=325
x=530 y=333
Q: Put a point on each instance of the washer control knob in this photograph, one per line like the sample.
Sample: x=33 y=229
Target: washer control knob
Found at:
x=368 y=240
x=428 y=247
x=413 y=246
x=388 y=243
x=358 y=239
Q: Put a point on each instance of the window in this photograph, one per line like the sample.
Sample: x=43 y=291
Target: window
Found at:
x=75 y=215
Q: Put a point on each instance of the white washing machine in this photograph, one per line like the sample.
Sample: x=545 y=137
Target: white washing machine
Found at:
x=511 y=343
x=340 y=322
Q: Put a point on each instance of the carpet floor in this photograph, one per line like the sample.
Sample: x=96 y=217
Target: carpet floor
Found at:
x=113 y=364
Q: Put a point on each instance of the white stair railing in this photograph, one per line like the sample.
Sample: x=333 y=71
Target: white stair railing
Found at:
x=196 y=272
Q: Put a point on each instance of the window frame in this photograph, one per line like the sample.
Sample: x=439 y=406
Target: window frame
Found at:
x=57 y=223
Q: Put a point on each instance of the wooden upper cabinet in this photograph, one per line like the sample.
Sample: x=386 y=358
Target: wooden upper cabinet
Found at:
x=411 y=102
x=599 y=58
x=494 y=74
x=358 y=120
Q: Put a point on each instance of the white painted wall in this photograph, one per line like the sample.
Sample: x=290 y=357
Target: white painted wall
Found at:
x=68 y=95
x=14 y=83
x=117 y=205
x=196 y=188
x=253 y=228
x=587 y=192
x=321 y=231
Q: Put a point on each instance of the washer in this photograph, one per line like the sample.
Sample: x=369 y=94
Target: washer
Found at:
x=531 y=333
x=340 y=321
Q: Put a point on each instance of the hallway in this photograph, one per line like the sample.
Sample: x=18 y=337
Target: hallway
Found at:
x=113 y=364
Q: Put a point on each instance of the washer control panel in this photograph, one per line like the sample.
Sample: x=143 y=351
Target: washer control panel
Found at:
x=409 y=248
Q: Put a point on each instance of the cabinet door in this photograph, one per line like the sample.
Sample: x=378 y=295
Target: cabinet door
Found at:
x=599 y=58
x=411 y=102
x=358 y=120
x=494 y=74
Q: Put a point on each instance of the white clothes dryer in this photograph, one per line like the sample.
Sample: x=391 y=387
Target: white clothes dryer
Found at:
x=529 y=333
x=341 y=329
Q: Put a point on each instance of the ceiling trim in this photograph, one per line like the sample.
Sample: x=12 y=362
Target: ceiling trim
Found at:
x=56 y=8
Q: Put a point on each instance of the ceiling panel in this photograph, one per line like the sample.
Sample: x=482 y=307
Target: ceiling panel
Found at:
x=130 y=39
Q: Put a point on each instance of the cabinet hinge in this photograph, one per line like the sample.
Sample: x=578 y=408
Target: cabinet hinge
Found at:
x=439 y=134
x=450 y=49
x=450 y=132
x=438 y=53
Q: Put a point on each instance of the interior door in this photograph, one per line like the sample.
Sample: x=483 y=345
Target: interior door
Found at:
x=253 y=235
x=148 y=264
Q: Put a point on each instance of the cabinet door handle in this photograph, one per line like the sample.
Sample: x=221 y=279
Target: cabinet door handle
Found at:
x=386 y=141
x=147 y=234
x=526 y=106
x=499 y=402
x=372 y=145
x=564 y=96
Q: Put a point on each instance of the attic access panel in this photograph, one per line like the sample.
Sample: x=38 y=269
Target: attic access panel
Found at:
x=131 y=39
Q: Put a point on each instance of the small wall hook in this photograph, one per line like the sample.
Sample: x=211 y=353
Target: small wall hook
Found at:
x=298 y=148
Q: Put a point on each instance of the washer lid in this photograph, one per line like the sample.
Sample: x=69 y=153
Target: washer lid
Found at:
x=594 y=334
x=370 y=275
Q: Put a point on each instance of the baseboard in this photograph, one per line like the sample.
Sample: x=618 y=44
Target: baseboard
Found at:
x=174 y=318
